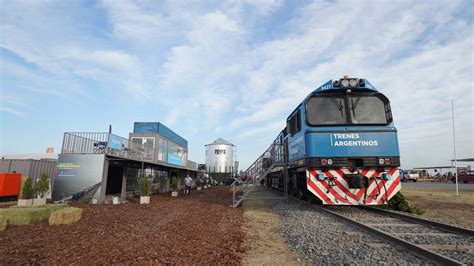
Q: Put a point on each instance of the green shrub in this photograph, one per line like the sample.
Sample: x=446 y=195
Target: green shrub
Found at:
x=174 y=183
x=42 y=185
x=199 y=182
x=27 y=189
x=144 y=186
x=398 y=203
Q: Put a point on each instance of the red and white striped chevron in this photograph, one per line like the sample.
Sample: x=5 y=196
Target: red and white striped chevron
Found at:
x=334 y=190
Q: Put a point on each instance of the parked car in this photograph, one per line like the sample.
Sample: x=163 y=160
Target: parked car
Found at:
x=464 y=177
x=409 y=175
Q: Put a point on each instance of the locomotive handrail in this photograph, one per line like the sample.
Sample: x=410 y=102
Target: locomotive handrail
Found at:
x=258 y=170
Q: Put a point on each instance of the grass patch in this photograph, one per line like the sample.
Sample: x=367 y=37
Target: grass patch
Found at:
x=399 y=203
x=3 y=223
x=21 y=216
x=51 y=207
x=443 y=204
x=441 y=195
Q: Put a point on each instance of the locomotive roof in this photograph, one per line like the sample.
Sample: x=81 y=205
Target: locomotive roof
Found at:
x=329 y=87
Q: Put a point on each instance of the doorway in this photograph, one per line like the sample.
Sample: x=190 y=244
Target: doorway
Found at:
x=114 y=180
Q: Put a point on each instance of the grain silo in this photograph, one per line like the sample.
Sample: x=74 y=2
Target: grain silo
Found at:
x=219 y=159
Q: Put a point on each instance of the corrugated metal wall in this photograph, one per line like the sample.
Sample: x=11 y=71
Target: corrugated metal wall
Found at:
x=30 y=168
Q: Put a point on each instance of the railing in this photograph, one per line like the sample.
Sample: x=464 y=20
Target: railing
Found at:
x=84 y=142
x=109 y=144
x=273 y=157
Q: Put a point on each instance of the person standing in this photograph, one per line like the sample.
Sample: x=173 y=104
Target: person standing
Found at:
x=188 y=182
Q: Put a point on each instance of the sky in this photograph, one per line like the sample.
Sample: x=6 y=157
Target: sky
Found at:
x=231 y=69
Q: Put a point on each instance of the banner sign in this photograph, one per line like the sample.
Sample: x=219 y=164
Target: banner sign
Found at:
x=174 y=159
x=352 y=144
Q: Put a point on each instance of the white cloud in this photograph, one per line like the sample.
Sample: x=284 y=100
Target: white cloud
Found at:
x=132 y=21
x=13 y=111
x=238 y=69
x=267 y=128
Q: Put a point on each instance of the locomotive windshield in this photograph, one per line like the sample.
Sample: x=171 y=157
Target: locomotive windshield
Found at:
x=328 y=110
x=343 y=109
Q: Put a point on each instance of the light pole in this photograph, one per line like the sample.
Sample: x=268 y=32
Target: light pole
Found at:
x=455 y=158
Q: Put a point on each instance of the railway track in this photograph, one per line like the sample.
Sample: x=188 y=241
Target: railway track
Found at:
x=439 y=243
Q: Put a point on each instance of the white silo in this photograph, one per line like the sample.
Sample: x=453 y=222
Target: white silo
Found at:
x=219 y=159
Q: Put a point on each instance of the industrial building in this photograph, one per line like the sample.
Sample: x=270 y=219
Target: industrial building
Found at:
x=220 y=159
x=94 y=166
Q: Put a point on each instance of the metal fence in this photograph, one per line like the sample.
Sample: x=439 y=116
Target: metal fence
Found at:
x=84 y=142
x=113 y=145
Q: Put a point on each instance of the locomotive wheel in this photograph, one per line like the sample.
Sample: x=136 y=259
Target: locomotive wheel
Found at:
x=300 y=195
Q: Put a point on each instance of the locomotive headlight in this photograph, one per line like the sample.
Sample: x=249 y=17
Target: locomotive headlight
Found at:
x=330 y=161
x=381 y=161
x=321 y=177
x=345 y=83
x=353 y=82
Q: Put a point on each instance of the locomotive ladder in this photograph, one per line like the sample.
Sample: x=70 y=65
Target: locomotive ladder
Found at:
x=273 y=157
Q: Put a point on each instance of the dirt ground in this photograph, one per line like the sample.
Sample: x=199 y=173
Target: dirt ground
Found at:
x=264 y=243
x=443 y=204
x=196 y=229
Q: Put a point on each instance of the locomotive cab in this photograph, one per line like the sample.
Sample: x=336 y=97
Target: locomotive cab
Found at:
x=343 y=135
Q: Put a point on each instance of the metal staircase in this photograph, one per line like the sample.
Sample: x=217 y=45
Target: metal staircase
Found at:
x=273 y=157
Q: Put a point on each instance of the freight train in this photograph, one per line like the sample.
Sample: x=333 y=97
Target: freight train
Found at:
x=341 y=146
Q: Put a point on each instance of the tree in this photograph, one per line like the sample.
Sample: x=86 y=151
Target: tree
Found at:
x=174 y=183
x=199 y=182
x=27 y=189
x=144 y=186
x=42 y=185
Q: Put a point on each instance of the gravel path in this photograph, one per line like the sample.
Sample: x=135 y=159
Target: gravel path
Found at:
x=326 y=240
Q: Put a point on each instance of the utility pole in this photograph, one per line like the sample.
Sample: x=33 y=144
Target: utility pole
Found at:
x=455 y=157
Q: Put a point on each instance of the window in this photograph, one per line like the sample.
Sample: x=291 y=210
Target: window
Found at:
x=294 y=123
x=162 y=150
x=326 y=110
x=368 y=109
x=353 y=108
x=185 y=157
x=137 y=143
x=145 y=146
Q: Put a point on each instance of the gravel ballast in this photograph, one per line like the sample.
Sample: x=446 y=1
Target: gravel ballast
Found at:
x=324 y=239
x=418 y=234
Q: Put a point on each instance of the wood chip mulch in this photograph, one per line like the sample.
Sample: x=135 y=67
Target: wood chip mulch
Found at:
x=196 y=229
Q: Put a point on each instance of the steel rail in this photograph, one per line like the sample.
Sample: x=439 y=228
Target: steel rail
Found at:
x=425 y=253
x=438 y=225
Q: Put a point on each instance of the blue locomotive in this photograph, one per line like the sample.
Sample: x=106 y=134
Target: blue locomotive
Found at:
x=341 y=146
